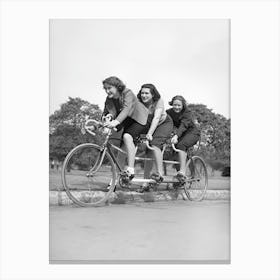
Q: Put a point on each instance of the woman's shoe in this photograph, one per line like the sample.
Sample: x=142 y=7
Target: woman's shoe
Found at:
x=157 y=177
x=126 y=175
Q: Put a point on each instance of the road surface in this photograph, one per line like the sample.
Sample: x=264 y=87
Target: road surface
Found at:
x=160 y=232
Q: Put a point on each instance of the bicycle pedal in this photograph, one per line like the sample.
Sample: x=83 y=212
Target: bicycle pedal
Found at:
x=123 y=183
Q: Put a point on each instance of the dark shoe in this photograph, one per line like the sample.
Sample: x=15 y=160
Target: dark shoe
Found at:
x=157 y=177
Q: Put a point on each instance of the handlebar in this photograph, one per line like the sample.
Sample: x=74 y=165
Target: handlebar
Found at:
x=148 y=145
x=101 y=125
x=90 y=128
x=174 y=148
x=107 y=118
x=151 y=148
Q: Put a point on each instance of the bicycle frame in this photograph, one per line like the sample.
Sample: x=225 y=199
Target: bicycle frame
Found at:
x=95 y=185
x=107 y=146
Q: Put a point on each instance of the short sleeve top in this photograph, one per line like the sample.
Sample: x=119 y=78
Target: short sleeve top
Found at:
x=156 y=105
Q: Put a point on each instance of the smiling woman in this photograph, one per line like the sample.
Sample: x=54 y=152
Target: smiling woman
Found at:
x=129 y=115
x=159 y=127
x=186 y=133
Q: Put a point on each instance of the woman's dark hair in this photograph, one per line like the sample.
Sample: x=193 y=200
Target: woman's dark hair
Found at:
x=181 y=98
x=116 y=82
x=154 y=92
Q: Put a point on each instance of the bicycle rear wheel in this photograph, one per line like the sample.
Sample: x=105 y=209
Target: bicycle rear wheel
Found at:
x=195 y=187
x=88 y=175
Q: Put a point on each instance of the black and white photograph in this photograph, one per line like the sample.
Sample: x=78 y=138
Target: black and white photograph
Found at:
x=139 y=149
x=139 y=139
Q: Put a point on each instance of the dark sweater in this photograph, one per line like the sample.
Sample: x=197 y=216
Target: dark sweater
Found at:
x=183 y=122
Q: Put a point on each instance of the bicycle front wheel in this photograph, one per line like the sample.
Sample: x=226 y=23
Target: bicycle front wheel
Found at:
x=196 y=185
x=88 y=175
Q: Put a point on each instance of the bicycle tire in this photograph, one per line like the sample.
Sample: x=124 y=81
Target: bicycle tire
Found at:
x=88 y=175
x=196 y=187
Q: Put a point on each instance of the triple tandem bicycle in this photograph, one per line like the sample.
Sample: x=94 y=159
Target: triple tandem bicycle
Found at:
x=91 y=172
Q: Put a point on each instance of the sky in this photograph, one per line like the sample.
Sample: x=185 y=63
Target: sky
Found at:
x=189 y=57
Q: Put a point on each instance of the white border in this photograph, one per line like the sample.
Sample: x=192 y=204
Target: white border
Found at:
x=255 y=137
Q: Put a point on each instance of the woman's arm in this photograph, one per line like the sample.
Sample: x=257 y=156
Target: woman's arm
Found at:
x=128 y=105
x=129 y=102
x=155 y=121
x=186 y=122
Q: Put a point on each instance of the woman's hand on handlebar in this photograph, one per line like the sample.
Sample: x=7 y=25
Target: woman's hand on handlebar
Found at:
x=149 y=137
x=112 y=124
x=174 y=139
x=107 y=118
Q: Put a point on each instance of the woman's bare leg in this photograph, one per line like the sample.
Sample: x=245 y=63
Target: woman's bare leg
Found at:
x=182 y=160
x=130 y=148
x=148 y=165
x=158 y=160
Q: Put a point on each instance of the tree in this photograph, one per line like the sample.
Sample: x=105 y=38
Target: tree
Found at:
x=215 y=134
x=74 y=112
x=66 y=124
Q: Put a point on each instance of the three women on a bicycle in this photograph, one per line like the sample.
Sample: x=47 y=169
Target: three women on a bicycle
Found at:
x=145 y=114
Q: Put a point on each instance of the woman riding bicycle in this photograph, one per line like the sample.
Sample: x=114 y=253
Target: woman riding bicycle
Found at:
x=128 y=114
x=186 y=133
x=158 y=127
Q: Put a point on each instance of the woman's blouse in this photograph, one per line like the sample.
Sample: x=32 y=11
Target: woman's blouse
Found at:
x=117 y=105
x=183 y=121
x=126 y=106
x=156 y=105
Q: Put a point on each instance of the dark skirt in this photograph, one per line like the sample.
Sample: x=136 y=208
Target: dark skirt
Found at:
x=187 y=140
x=162 y=132
x=129 y=126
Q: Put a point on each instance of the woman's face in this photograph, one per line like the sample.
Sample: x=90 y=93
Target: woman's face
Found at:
x=177 y=106
x=146 y=95
x=112 y=91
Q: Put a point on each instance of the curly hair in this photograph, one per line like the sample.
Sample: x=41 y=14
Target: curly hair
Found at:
x=116 y=82
x=154 y=92
x=180 y=98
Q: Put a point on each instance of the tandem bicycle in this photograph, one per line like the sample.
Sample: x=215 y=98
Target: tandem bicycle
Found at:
x=91 y=172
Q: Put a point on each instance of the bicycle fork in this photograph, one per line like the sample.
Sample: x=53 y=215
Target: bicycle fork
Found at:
x=97 y=164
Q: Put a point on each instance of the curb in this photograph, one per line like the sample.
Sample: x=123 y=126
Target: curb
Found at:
x=60 y=198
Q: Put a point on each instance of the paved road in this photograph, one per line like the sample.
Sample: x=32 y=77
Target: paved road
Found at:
x=161 y=232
